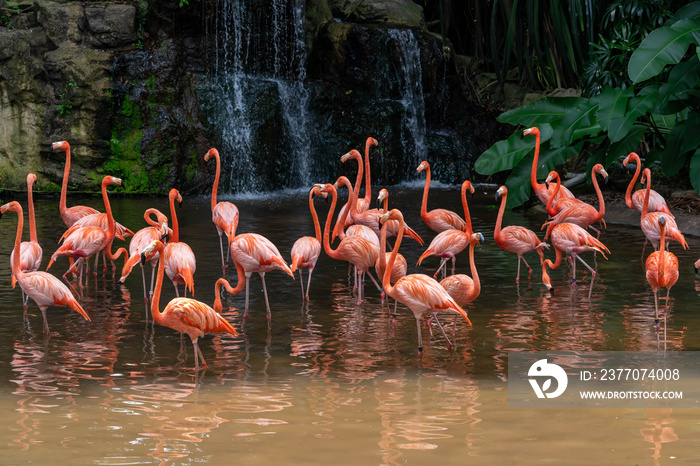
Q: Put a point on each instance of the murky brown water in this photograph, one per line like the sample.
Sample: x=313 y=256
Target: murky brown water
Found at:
x=330 y=382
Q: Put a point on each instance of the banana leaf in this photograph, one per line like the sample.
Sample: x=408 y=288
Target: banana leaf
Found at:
x=504 y=155
x=695 y=170
x=636 y=107
x=547 y=110
x=612 y=104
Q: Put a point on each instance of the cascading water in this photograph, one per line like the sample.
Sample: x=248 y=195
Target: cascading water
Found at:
x=259 y=72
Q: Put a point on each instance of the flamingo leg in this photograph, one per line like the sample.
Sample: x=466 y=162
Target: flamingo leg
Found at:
x=301 y=282
x=145 y=290
x=308 y=284
x=221 y=245
x=442 y=264
x=177 y=293
x=529 y=269
x=420 y=339
x=46 y=322
x=668 y=292
x=153 y=274
x=376 y=283
x=449 y=343
x=247 y=294
x=454 y=261
x=267 y=302
x=656 y=309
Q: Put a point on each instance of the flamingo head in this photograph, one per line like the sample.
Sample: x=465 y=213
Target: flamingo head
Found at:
x=372 y=141
x=393 y=214
x=545 y=276
x=697 y=265
x=343 y=181
x=353 y=154
x=467 y=186
x=316 y=190
x=31 y=179
x=13 y=206
x=110 y=180
x=553 y=175
x=59 y=145
x=662 y=221
x=211 y=153
x=534 y=130
x=632 y=156
x=149 y=251
x=646 y=176
x=175 y=195
x=423 y=166
x=598 y=168
x=477 y=238
x=326 y=187
x=502 y=191
x=383 y=194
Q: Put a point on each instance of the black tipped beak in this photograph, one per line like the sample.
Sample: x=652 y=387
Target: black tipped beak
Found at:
x=606 y=179
x=164 y=238
x=522 y=135
x=546 y=185
x=123 y=185
x=551 y=291
x=51 y=148
x=143 y=259
x=120 y=281
x=379 y=203
x=497 y=196
x=696 y=269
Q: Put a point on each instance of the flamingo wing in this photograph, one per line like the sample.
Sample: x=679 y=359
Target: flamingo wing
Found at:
x=225 y=217
x=440 y=220
x=195 y=318
x=305 y=252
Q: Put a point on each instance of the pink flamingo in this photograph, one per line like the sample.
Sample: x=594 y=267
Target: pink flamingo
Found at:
x=449 y=243
x=30 y=252
x=89 y=240
x=542 y=191
x=581 y=213
x=224 y=214
x=157 y=230
x=185 y=315
x=69 y=215
x=650 y=220
x=400 y=268
x=516 y=239
x=354 y=249
x=657 y=203
x=421 y=293
x=251 y=253
x=553 y=207
x=307 y=249
x=573 y=240
x=180 y=262
x=437 y=220
x=661 y=271
x=45 y=289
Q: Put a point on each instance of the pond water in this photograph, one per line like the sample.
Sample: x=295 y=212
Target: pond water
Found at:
x=330 y=381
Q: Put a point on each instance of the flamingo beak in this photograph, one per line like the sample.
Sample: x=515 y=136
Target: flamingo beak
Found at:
x=143 y=258
x=379 y=203
x=164 y=237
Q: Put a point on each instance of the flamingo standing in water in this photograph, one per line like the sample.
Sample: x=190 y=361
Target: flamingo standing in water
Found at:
x=224 y=214
x=580 y=213
x=400 y=265
x=355 y=249
x=180 y=262
x=635 y=201
x=573 y=240
x=307 y=249
x=449 y=243
x=437 y=220
x=89 y=240
x=45 y=289
x=650 y=220
x=516 y=239
x=30 y=252
x=251 y=253
x=185 y=315
x=541 y=190
x=72 y=214
x=421 y=293
x=157 y=230
x=661 y=271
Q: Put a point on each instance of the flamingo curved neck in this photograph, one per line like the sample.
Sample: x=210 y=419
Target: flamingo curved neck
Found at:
x=499 y=219
x=358 y=180
x=215 y=188
x=476 y=289
x=637 y=171
x=333 y=253
x=32 y=220
x=64 y=187
x=549 y=207
x=314 y=216
x=424 y=203
x=467 y=217
x=386 y=280
x=368 y=178
x=15 y=266
x=662 y=254
x=223 y=282
x=155 y=302
x=176 y=228
x=533 y=174
x=645 y=205
x=601 y=201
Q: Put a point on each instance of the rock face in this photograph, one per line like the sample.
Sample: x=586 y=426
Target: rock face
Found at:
x=130 y=87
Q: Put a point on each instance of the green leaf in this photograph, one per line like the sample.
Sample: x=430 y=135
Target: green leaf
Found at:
x=612 y=104
x=664 y=122
x=547 y=110
x=636 y=107
x=683 y=139
x=504 y=155
x=663 y=46
x=625 y=145
x=688 y=11
x=683 y=77
x=695 y=170
x=577 y=123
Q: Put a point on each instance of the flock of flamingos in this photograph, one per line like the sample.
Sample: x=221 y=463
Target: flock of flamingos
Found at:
x=363 y=234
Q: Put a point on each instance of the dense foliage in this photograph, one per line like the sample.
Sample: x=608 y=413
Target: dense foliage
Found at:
x=659 y=108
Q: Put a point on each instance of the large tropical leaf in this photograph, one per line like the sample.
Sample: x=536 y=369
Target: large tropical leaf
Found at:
x=689 y=11
x=683 y=77
x=625 y=145
x=547 y=110
x=612 y=104
x=504 y=155
x=695 y=170
x=663 y=46
x=683 y=139
x=578 y=122
x=636 y=107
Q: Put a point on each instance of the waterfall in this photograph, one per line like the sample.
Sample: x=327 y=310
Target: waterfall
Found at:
x=410 y=81
x=260 y=58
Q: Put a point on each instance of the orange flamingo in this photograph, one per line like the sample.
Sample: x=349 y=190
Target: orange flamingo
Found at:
x=45 y=289
x=449 y=243
x=362 y=206
x=437 y=220
x=516 y=239
x=581 y=213
x=252 y=252
x=30 y=252
x=89 y=240
x=400 y=265
x=180 y=262
x=69 y=215
x=657 y=203
x=157 y=230
x=224 y=214
x=185 y=315
x=573 y=240
x=307 y=249
x=650 y=220
x=661 y=271
x=541 y=190
x=553 y=207
x=355 y=249
x=420 y=293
